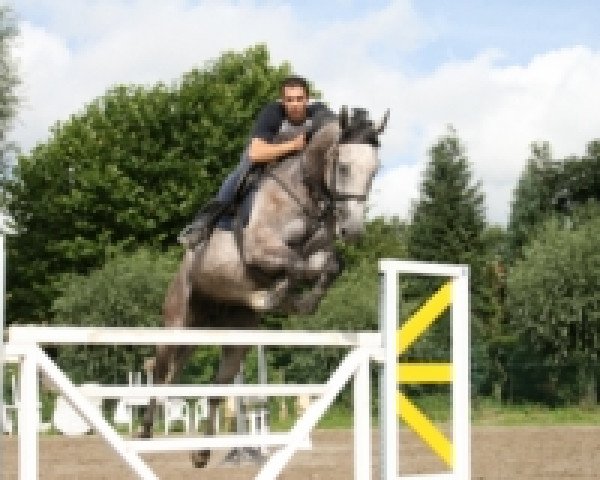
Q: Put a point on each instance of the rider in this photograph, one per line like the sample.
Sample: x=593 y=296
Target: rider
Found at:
x=292 y=113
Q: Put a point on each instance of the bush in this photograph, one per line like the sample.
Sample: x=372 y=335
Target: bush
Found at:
x=127 y=291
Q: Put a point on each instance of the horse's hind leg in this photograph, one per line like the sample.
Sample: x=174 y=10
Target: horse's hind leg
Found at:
x=229 y=366
x=170 y=360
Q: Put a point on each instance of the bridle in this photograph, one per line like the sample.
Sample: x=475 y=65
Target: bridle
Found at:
x=327 y=196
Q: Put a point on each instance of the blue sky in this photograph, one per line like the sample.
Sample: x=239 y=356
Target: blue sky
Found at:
x=503 y=73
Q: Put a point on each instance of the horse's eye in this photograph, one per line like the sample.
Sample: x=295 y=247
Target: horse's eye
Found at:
x=344 y=169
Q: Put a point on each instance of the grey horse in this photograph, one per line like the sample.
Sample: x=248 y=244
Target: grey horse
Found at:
x=284 y=259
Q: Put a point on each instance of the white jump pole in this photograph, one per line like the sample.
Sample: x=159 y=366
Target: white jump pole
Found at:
x=4 y=230
x=388 y=314
x=461 y=365
x=2 y=353
x=362 y=421
x=28 y=420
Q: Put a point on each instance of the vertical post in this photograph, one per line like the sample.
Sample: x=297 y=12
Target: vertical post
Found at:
x=362 y=422
x=461 y=409
x=261 y=402
x=240 y=404
x=262 y=365
x=28 y=417
x=388 y=312
x=2 y=295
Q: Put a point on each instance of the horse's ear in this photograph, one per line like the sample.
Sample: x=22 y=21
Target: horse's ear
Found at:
x=344 y=117
x=383 y=123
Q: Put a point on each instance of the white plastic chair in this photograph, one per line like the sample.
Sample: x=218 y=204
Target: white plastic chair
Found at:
x=7 y=421
x=176 y=409
x=201 y=413
x=123 y=415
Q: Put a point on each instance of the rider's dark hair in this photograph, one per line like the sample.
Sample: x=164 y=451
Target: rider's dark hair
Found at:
x=295 y=81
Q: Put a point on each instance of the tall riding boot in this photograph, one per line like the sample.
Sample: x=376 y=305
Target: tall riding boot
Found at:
x=203 y=224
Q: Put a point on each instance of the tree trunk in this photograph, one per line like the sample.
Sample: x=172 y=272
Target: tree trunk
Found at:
x=588 y=388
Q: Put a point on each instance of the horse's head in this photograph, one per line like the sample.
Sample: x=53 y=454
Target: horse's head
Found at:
x=351 y=167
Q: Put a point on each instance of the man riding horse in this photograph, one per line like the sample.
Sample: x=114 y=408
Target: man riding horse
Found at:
x=317 y=170
x=292 y=114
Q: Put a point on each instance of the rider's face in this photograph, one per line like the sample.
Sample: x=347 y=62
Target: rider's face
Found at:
x=295 y=102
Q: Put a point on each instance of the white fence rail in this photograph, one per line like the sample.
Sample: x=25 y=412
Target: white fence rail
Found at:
x=382 y=347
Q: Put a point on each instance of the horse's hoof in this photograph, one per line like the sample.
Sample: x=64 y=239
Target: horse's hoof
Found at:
x=260 y=301
x=268 y=300
x=200 y=458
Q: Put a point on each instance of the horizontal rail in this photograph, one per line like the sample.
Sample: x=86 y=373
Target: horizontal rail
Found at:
x=167 y=336
x=188 y=391
x=212 y=442
x=424 y=372
x=10 y=358
x=421 y=268
x=430 y=476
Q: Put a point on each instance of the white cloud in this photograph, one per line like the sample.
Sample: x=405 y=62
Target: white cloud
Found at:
x=86 y=46
x=393 y=191
x=498 y=111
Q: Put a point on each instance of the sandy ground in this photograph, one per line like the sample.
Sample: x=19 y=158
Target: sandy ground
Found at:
x=497 y=453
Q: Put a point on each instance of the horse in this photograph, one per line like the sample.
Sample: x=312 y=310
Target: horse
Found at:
x=283 y=259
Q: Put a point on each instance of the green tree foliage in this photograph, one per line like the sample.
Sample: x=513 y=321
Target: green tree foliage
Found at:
x=448 y=226
x=131 y=169
x=553 y=307
x=8 y=81
x=533 y=197
x=548 y=186
x=127 y=291
x=448 y=219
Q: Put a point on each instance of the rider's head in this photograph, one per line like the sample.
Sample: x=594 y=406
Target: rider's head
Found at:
x=294 y=96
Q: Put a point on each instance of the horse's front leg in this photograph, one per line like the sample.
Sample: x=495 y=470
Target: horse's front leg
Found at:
x=306 y=303
x=267 y=250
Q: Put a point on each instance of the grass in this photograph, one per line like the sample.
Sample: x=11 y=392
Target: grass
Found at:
x=488 y=412
x=484 y=412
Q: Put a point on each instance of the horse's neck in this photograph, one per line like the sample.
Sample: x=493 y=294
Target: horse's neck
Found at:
x=305 y=171
x=291 y=172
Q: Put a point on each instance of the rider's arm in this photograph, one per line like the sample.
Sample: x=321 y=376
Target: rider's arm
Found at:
x=261 y=151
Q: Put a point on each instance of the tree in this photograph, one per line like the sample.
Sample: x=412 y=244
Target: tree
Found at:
x=448 y=226
x=533 y=197
x=8 y=81
x=131 y=169
x=448 y=220
x=551 y=187
x=553 y=307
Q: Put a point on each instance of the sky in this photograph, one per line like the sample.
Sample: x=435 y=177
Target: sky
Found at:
x=503 y=73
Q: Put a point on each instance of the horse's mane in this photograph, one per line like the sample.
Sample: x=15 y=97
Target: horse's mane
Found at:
x=314 y=156
x=321 y=145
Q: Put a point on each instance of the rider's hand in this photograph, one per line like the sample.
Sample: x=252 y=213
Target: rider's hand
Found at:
x=299 y=142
